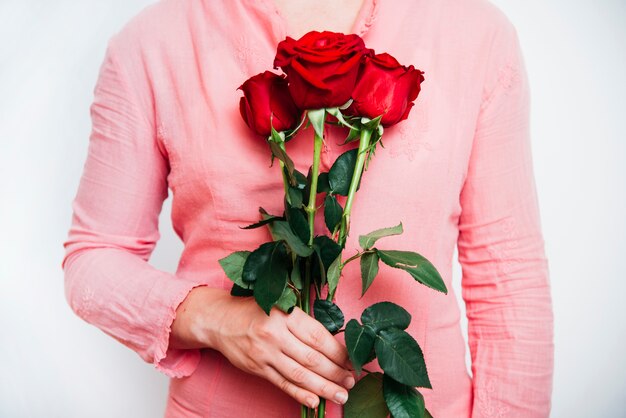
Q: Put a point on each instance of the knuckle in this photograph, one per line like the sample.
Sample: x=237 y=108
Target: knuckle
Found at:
x=266 y=360
x=339 y=374
x=286 y=386
x=325 y=390
x=298 y=375
x=266 y=331
x=313 y=359
x=317 y=336
x=263 y=330
x=252 y=365
x=340 y=355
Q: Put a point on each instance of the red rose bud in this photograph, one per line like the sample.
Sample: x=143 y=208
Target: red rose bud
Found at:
x=321 y=67
x=266 y=95
x=385 y=87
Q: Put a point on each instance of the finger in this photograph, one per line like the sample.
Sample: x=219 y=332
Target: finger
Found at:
x=317 y=362
x=306 y=379
x=313 y=334
x=301 y=395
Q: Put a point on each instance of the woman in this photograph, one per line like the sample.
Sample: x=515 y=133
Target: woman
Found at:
x=458 y=171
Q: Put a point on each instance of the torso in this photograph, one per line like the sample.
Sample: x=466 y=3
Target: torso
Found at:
x=196 y=53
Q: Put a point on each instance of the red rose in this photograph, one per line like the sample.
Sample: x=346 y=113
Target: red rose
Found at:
x=266 y=95
x=321 y=67
x=385 y=87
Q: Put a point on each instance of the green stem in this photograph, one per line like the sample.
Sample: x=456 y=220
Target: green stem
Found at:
x=307 y=287
x=357 y=255
x=321 y=409
x=331 y=295
x=285 y=179
x=354 y=257
x=315 y=170
x=364 y=143
x=310 y=209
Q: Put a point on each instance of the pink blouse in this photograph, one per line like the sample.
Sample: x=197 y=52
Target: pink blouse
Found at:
x=458 y=171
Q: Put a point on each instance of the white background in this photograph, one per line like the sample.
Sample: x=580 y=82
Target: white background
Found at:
x=55 y=365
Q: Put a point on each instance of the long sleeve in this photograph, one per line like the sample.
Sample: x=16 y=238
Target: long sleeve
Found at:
x=505 y=282
x=108 y=281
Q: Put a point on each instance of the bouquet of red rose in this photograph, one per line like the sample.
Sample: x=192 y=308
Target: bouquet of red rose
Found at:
x=332 y=78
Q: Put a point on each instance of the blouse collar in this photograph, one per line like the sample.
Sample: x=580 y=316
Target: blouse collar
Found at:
x=279 y=27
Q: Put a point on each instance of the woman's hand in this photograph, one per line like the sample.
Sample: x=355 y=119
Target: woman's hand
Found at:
x=293 y=351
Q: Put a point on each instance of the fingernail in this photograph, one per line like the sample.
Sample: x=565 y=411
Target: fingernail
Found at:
x=341 y=397
x=312 y=402
x=349 y=382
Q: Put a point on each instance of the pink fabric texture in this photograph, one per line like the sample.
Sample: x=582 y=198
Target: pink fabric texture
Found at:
x=458 y=172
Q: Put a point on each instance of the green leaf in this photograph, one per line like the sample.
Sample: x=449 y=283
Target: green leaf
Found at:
x=254 y=261
x=401 y=357
x=280 y=153
x=298 y=223
x=237 y=290
x=332 y=212
x=307 y=187
x=416 y=265
x=341 y=172
x=365 y=399
x=383 y=315
x=322 y=183
x=278 y=137
x=374 y=141
x=295 y=197
x=353 y=135
x=263 y=222
x=427 y=414
x=371 y=356
x=319 y=273
x=359 y=342
x=337 y=113
x=266 y=267
x=295 y=276
x=333 y=274
x=301 y=179
x=290 y=133
x=367 y=241
x=369 y=270
x=317 y=116
x=403 y=401
x=233 y=266
x=371 y=124
x=287 y=300
x=266 y=215
x=328 y=249
x=281 y=230
x=346 y=105
x=377 y=137
x=328 y=314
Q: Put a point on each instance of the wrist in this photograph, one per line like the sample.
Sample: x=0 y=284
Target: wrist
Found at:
x=198 y=318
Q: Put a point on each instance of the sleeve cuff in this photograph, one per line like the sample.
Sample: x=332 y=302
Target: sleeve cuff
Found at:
x=174 y=362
